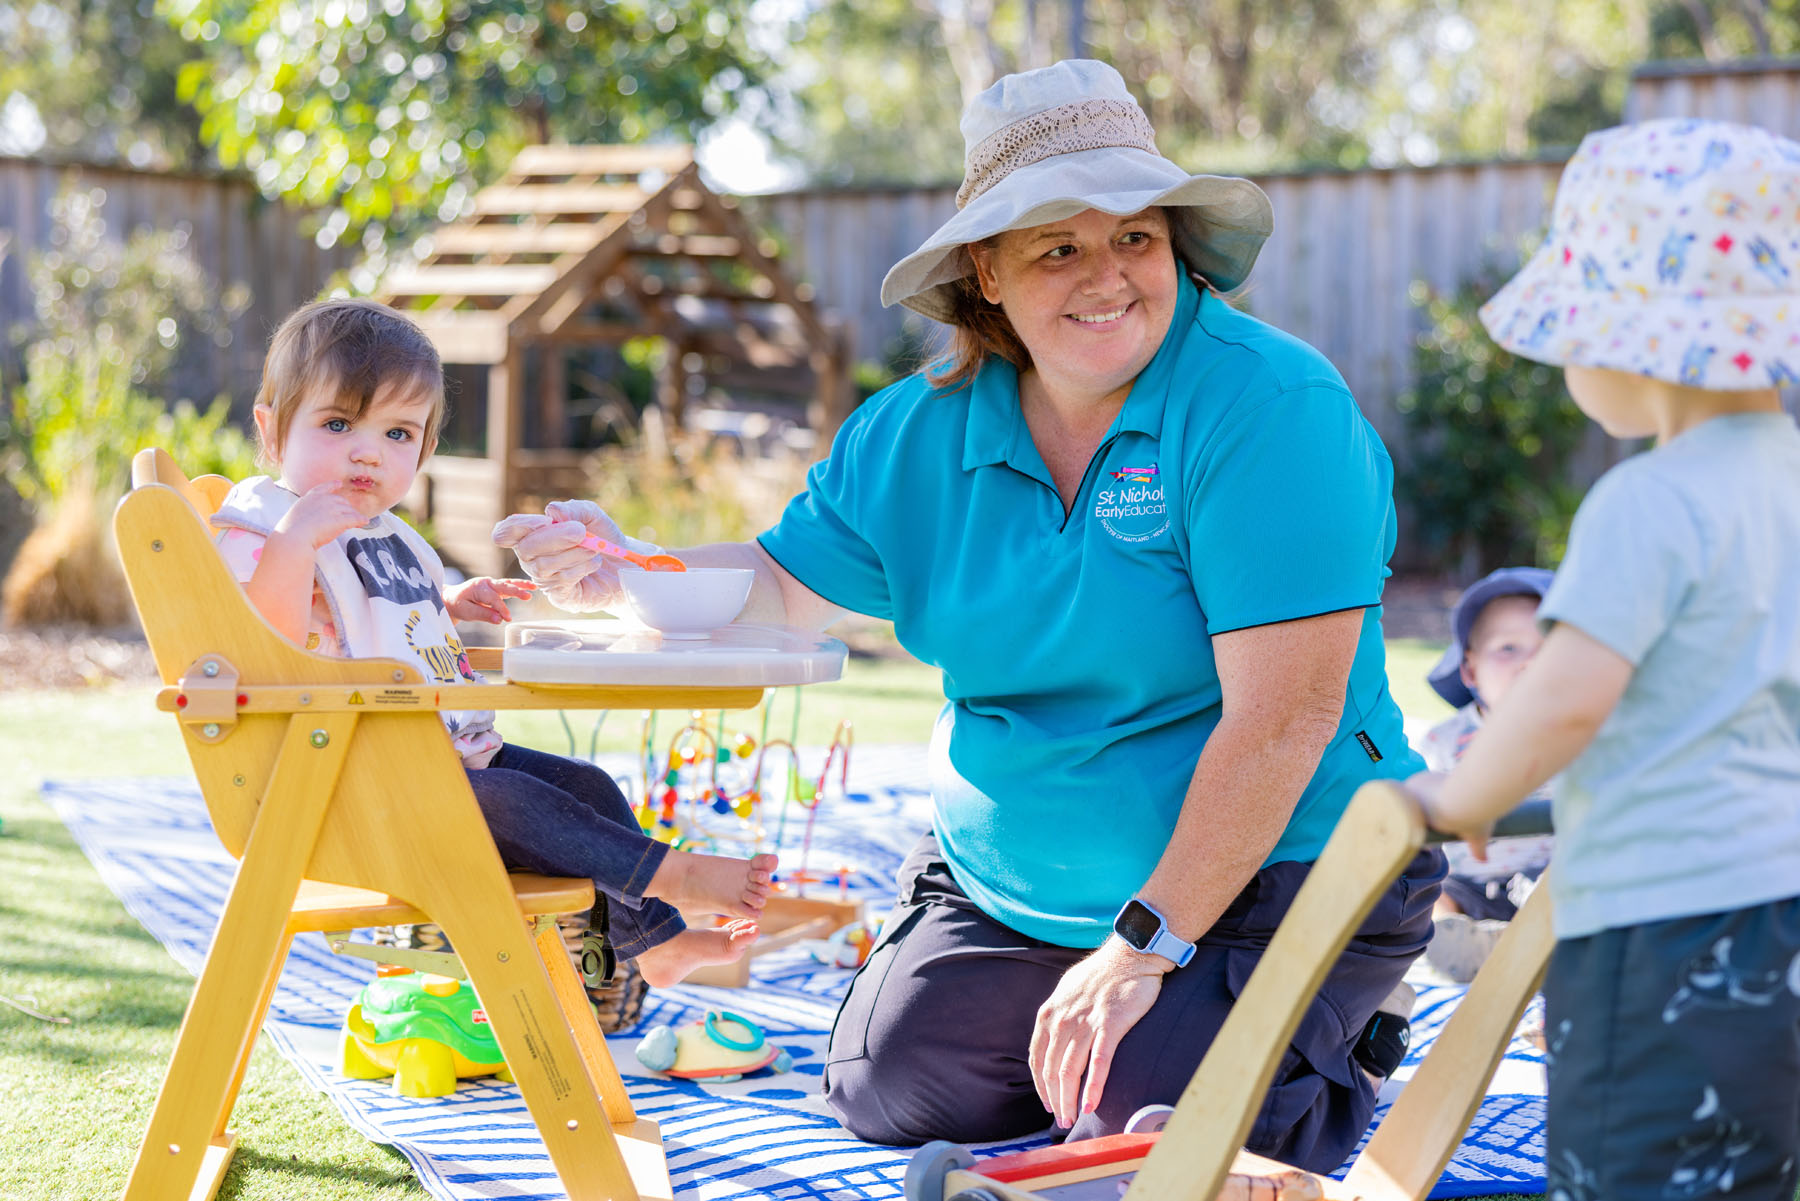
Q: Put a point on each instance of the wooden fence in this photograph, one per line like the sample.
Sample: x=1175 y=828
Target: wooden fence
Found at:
x=1337 y=272
x=236 y=236
x=1347 y=244
x=1762 y=92
x=1346 y=248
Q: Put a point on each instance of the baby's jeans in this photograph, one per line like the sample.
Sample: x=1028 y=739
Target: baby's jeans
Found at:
x=1674 y=1057
x=562 y=817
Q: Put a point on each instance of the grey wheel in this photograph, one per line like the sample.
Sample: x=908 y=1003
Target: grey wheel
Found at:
x=975 y=1194
x=929 y=1165
x=1149 y=1119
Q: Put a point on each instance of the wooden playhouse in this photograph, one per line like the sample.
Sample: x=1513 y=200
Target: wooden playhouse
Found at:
x=574 y=252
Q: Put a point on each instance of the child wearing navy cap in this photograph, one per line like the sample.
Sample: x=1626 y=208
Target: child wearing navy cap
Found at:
x=1493 y=635
x=1667 y=692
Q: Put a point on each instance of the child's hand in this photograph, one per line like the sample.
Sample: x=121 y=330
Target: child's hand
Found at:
x=1427 y=788
x=484 y=599
x=319 y=516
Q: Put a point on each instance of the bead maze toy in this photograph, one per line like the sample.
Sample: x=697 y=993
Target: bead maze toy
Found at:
x=1194 y=1152
x=713 y=794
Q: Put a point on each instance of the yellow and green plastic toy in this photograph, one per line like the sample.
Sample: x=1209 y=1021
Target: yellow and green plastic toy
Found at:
x=425 y=1031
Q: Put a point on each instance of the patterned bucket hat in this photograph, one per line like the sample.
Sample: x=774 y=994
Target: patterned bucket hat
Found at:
x=1047 y=144
x=1673 y=252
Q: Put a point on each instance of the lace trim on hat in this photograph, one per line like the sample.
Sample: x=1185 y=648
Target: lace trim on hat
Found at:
x=1065 y=129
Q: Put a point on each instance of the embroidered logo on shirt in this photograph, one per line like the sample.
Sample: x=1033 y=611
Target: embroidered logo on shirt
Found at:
x=1132 y=508
x=1368 y=746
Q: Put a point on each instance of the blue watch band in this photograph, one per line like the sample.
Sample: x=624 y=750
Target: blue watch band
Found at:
x=1177 y=950
x=1142 y=928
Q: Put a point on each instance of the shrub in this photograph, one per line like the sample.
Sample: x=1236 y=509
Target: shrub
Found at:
x=111 y=318
x=1492 y=438
x=693 y=489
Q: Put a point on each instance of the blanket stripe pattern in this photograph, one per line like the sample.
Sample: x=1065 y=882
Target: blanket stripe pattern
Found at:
x=765 y=1136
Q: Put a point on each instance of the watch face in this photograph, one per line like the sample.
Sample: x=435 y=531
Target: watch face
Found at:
x=1137 y=924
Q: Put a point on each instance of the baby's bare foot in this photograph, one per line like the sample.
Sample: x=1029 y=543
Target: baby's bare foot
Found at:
x=713 y=883
x=669 y=962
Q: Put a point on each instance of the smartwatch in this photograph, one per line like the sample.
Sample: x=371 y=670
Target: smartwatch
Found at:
x=1144 y=929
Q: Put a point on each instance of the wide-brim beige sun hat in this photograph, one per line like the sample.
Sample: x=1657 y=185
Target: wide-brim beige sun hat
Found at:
x=1673 y=253
x=1048 y=144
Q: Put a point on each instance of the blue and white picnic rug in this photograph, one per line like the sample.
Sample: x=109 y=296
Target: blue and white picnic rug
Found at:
x=764 y=1137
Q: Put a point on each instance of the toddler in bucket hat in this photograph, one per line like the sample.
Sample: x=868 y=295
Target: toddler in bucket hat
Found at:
x=1673 y=253
x=1456 y=678
x=1666 y=694
x=1047 y=144
x=1493 y=636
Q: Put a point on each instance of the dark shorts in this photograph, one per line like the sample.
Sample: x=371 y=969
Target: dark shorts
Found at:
x=1674 y=1056
x=931 y=1041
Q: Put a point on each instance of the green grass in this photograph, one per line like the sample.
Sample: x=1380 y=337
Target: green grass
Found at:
x=1408 y=659
x=78 y=1095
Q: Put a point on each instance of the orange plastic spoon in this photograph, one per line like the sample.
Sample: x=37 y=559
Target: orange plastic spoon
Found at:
x=595 y=542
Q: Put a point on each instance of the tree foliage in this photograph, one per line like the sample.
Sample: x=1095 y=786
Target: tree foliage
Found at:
x=1724 y=29
x=1250 y=85
x=98 y=81
x=1492 y=438
x=389 y=113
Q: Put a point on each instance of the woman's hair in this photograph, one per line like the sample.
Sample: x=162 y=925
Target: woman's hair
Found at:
x=356 y=349
x=978 y=328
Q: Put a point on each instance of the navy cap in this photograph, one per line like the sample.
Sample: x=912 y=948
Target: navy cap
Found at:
x=1446 y=677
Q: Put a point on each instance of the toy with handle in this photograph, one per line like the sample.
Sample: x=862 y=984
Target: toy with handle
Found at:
x=595 y=542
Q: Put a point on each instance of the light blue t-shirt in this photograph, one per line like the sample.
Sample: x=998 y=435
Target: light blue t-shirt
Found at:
x=1686 y=561
x=1239 y=486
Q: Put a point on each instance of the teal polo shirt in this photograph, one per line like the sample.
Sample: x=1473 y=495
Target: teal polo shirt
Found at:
x=1240 y=485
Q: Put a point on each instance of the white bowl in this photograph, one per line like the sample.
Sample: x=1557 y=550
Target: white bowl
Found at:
x=686 y=604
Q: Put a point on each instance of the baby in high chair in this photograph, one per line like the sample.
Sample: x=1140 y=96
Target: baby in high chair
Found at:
x=350 y=405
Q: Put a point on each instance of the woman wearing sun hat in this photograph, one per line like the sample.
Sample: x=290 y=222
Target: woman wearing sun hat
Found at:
x=1144 y=536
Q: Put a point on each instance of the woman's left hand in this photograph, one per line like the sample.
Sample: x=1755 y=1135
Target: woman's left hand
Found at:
x=1080 y=1027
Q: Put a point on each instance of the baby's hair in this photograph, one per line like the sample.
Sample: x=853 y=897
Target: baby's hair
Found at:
x=356 y=348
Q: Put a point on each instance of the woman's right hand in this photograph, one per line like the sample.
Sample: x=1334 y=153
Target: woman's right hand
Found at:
x=549 y=549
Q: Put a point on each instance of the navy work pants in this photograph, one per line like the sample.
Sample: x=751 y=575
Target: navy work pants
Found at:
x=931 y=1041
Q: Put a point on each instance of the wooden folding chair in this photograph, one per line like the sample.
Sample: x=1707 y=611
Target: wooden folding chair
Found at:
x=334 y=783
x=1200 y=1145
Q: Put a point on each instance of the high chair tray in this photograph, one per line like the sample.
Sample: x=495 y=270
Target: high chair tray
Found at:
x=621 y=652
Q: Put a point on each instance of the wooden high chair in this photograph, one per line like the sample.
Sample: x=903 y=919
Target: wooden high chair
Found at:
x=1200 y=1144
x=334 y=783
